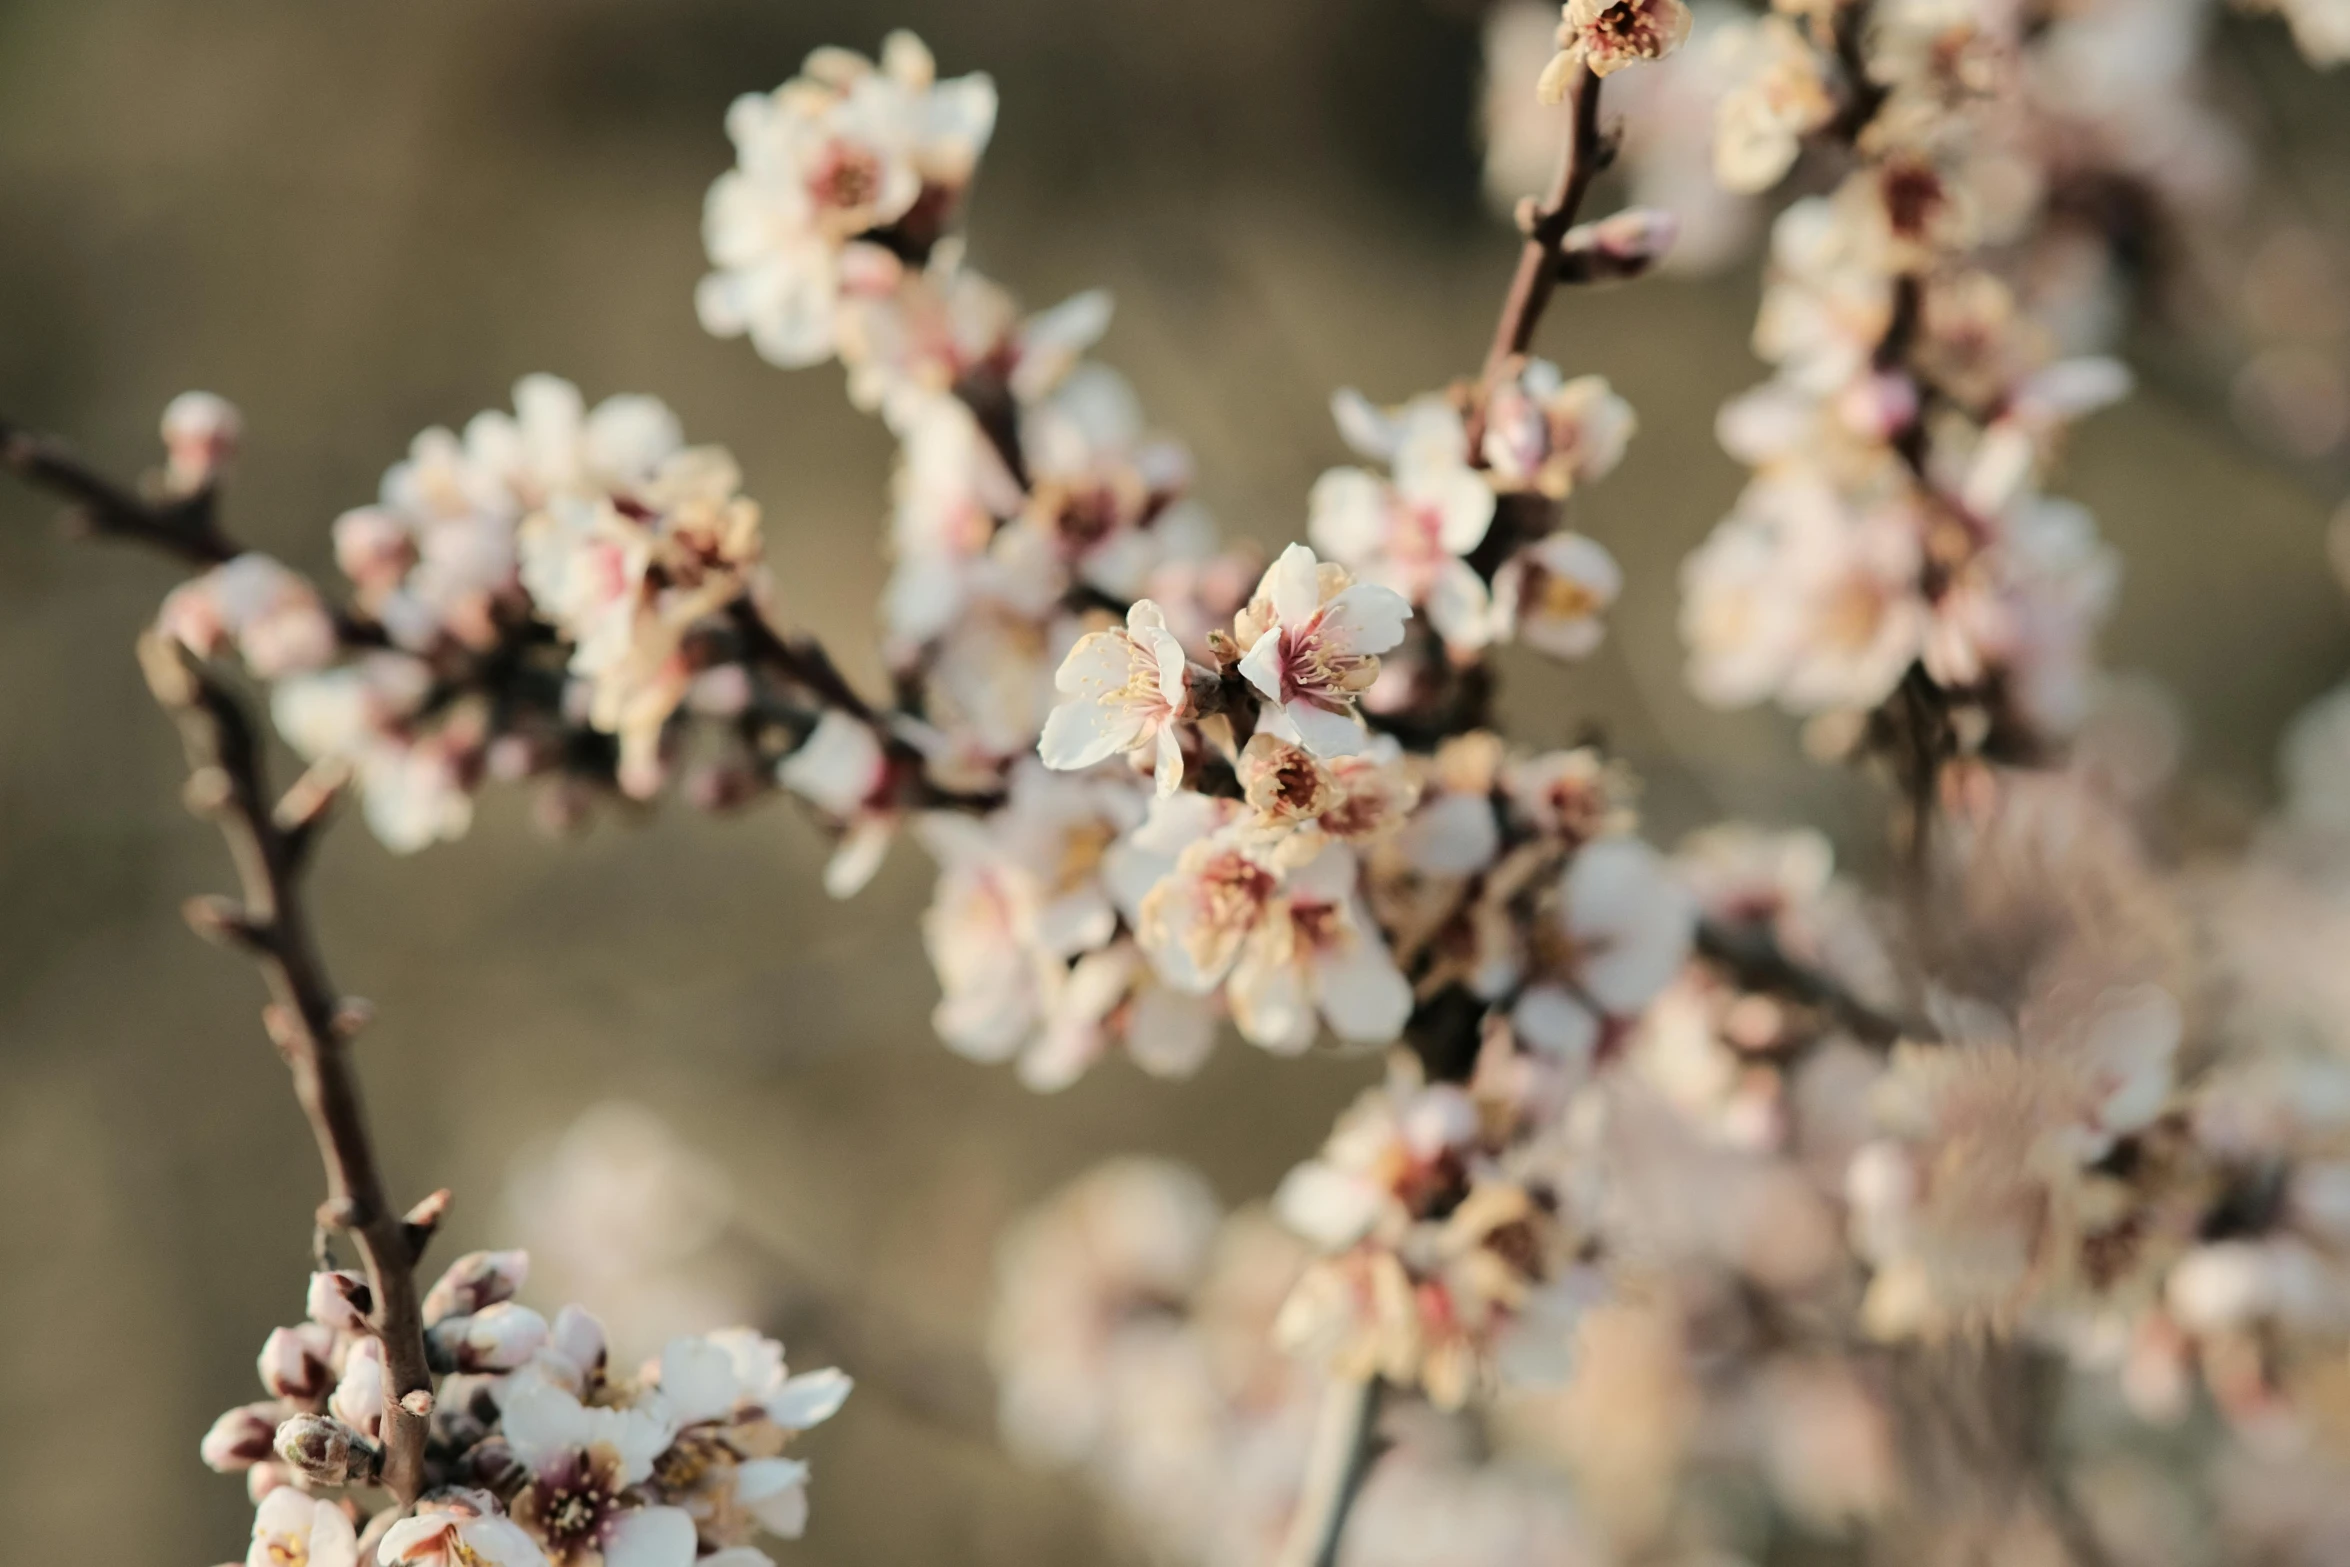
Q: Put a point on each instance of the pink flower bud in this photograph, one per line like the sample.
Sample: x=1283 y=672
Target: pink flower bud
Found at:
x=241 y=1437
x=358 y=1399
x=341 y=1301
x=476 y=1280
x=502 y=1337
x=323 y=1449
x=297 y=1363
x=1624 y=245
x=200 y=436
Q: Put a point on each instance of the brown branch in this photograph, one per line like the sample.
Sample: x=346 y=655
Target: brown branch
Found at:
x=186 y=527
x=1346 y=1442
x=1748 y=953
x=307 y=1017
x=1546 y=223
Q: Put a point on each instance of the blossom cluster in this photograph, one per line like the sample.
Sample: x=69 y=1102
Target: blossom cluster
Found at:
x=541 y=1452
x=1895 y=530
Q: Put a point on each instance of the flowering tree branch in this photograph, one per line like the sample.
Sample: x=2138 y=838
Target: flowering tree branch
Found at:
x=1752 y=958
x=309 y=1020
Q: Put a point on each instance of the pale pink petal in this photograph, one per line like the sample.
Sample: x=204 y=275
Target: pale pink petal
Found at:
x=1365 y=999
x=1323 y=732
x=652 y=1537
x=1365 y=618
x=1294 y=585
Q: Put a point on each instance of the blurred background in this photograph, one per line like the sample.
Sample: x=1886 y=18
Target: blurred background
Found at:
x=359 y=221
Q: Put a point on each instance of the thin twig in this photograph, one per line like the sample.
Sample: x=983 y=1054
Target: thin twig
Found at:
x=1546 y=223
x=308 y=1017
x=187 y=527
x=1346 y=1440
x=1748 y=953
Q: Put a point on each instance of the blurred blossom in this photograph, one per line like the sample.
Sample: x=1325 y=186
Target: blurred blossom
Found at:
x=620 y=1210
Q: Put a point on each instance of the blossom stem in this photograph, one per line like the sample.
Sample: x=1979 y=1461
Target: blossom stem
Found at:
x=1346 y=1441
x=187 y=527
x=1749 y=954
x=308 y=1018
x=1546 y=224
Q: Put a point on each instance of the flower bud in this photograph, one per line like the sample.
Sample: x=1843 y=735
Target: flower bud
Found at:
x=1623 y=245
x=358 y=1399
x=296 y=1363
x=241 y=1437
x=341 y=1301
x=502 y=1337
x=323 y=1449
x=201 y=432
x=474 y=1281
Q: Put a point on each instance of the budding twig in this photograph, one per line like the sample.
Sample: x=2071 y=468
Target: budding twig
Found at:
x=1547 y=223
x=307 y=1017
x=187 y=527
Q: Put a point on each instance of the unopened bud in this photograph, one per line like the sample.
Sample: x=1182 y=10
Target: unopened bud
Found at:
x=423 y=1219
x=358 y=1399
x=323 y=1449
x=1623 y=245
x=474 y=1281
x=502 y=1337
x=201 y=433
x=341 y=1301
x=295 y=1363
x=241 y=1437
x=418 y=1403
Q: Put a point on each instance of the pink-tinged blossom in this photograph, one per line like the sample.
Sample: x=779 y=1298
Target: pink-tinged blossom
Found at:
x=1778 y=95
x=1553 y=594
x=434 y=558
x=292 y=1528
x=1607 y=35
x=839 y=154
x=1123 y=691
x=459 y=1529
x=415 y=779
x=1315 y=956
x=1548 y=434
x=270 y=616
x=1313 y=636
x=1396 y=1148
x=624 y=580
x=1410 y=532
x=201 y=434
x=584 y=1463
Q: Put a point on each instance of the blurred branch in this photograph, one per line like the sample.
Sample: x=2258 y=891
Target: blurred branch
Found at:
x=308 y=1018
x=1346 y=1440
x=186 y=527
x=1752 y=957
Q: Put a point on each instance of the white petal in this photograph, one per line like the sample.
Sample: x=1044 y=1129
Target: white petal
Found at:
x=1463 y=501
x=652 y=1537
x=1327 y=1206
x=1366 y=618
x=1262 y=666
x=1269 y=1002
x=1084 y=732
x=1169 y=1033
x=1294 y=584
x=1348 y=515
x=1365 y=999
x=697 y=1381
x=1323 y=732
x=1549 y=1020
x=810 y=1399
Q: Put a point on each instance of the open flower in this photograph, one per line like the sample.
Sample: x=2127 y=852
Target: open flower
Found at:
x=1552 y=595
x=292 y=1528
x=1548 y=434
x=1316 y=950
x=1411 y=532
x=842 y=155
x=1314 y=637
x=269 y=614
x=735 y=1410
x=1607 y=35
x=1122 y=690
x=581 y=1502
x=460 y=1529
